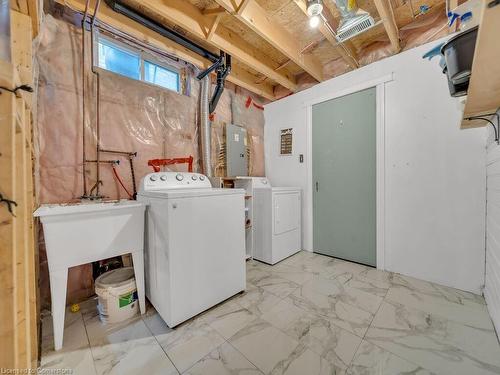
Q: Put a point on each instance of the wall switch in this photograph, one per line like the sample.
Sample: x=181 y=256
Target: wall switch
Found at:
x=301 y=158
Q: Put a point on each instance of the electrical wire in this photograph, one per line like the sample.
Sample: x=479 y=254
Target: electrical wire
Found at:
x=497 y=140
x=26 y=88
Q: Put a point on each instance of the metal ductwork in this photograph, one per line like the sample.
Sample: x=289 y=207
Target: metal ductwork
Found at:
x=221 y=65
x=354 y=20
x=205 y=127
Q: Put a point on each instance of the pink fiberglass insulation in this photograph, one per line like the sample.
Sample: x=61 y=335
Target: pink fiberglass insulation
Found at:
x=135 y=116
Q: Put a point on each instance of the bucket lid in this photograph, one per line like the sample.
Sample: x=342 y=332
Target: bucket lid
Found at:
x=115 y=278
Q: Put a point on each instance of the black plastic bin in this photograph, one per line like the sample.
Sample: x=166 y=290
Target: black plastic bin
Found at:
x=458 y=53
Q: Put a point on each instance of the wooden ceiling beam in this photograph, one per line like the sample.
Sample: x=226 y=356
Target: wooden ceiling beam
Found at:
x=190 y=18
x=214 y=11
x=386 y=13
x=256 y=18
x=238 y=76
x=345 y=50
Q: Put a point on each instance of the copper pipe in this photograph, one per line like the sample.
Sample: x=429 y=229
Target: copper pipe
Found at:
x=126 y=153
x=94 y=187
x=104 y=161
x=98 y=101
x=84 y=156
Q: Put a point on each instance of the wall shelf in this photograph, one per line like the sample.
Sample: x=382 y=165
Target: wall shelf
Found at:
x=484 y=88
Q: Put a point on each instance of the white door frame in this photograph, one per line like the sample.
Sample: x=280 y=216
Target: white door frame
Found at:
x=379 y=84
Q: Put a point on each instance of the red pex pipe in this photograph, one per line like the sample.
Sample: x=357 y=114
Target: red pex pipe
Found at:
x=250 y=101
x=115 y=172
x=157 y=163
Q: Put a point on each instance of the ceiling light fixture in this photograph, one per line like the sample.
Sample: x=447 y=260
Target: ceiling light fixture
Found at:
x=314 y=9
x=314 y=21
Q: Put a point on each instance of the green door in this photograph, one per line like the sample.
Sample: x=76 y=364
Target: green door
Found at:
x=344 y=177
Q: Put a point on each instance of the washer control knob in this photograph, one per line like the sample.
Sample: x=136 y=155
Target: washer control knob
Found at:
x=194 y=177
x=153 y=178
x=202 y=178
x=163 y=177
x=179 y=177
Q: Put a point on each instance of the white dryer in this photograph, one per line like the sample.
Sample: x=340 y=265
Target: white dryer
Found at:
x=276 y=220
x=195 y=244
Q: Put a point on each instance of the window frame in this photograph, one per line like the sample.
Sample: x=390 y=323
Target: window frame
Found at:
x=143 y=57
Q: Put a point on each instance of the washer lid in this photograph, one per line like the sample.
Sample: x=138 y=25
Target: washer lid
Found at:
x=191 y=193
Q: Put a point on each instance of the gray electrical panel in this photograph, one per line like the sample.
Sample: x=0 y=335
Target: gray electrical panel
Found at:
x=236 y=151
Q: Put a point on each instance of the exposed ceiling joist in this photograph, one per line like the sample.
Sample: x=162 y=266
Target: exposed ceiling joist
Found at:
x=214 y=11
x=386 y=13
x=255 y=17
x=238 y=75
x=190 y=18
x=345 y=49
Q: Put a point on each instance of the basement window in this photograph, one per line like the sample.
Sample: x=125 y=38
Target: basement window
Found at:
x=122 y=59
x=161 y=76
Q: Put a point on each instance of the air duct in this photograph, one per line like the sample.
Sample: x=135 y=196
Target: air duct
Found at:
x=354 y=20
x=206 y=139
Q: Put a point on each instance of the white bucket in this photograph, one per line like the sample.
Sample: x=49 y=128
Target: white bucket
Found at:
x=117 y=293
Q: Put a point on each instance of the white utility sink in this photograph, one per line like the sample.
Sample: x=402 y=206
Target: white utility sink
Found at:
x=76 y=234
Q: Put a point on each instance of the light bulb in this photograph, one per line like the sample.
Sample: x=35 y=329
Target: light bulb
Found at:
x=314 y=7
x=314 y=21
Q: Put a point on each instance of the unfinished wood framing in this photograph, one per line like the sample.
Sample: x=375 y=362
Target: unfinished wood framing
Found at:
x=18 y=311
x=30 y=8
x=484 y=88
x=345 y=50
x=191 y=19
x=238 y=76
x=272 y=45
x=251 y=14
x=386 y=12
x=214 y=26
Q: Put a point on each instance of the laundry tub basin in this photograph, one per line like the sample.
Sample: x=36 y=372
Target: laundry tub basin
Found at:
x=82 y=233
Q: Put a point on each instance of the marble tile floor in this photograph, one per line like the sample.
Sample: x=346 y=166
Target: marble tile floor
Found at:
x=308 y=315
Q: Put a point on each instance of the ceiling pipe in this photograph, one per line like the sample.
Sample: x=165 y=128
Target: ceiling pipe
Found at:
x=221 y=64
x=127 y=11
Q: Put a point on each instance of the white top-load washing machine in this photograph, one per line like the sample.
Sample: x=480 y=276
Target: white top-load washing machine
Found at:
x=195 y=243
x=276 y=221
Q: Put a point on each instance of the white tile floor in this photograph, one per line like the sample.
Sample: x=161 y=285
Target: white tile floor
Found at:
x=308 y=315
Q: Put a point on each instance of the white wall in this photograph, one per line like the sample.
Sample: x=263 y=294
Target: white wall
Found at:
x=435 y=176
x=492 y=289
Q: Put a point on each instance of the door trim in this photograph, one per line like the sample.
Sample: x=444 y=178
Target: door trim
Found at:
x=379 y=84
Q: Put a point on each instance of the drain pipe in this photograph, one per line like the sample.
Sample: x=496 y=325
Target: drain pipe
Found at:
x=205 y=126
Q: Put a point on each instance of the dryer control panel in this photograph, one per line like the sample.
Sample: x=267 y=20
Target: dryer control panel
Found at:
x=174 y=180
